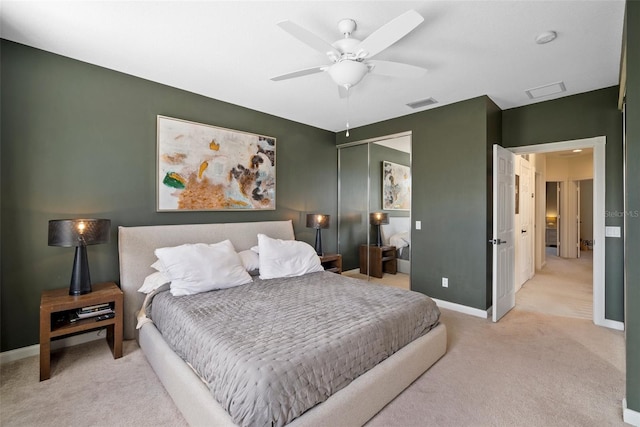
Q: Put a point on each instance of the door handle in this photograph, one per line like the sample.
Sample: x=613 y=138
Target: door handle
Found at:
x=523 y=231
x=497 y=241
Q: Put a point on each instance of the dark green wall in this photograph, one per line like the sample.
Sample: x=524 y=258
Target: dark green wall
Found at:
x=575 y=117
x=80 y=140
x=449 y=169
x=632 y=247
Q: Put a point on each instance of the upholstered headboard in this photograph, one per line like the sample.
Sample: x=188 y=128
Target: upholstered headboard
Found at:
x=136 y=246
x=397 y=224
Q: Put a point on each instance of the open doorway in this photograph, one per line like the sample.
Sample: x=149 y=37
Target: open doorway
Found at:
x=598 y=146
x=563 y=284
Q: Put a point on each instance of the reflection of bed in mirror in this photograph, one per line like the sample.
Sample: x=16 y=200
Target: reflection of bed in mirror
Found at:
x=398 y=233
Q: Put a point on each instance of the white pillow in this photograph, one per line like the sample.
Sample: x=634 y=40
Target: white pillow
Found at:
x=153 y=282
x=286 y=258
x=250 y=260
x=157 y=265
x=400 y=240
x=199 y=267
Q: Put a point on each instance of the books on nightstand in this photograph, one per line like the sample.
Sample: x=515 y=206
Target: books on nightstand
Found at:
x=100 y=311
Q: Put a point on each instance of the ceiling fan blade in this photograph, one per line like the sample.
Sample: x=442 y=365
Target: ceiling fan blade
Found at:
x=396 y=69
x=309 y=38
x=299 y=73
x=390 y=33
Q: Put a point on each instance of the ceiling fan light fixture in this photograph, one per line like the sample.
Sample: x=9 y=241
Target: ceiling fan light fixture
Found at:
x=348 y=73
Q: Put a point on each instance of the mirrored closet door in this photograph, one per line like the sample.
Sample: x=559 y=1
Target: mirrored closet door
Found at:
x=374 y=216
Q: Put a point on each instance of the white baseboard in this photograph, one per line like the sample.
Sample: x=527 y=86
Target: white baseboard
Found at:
x=462 y=308
x=630 y=416
x=34 y=350
x=611 y=324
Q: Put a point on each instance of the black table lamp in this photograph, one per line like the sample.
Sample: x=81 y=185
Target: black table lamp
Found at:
x=318 y=221
x=378 y=218
x=79 y=233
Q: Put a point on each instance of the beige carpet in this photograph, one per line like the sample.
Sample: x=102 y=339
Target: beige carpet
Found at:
x=398 y=280
x=529 y=369
x=564 y=287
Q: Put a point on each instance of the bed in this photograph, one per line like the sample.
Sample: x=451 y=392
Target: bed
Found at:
x=398 y=233
x=351 y=405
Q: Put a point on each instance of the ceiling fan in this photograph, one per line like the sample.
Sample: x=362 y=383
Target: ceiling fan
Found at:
x=350 y=57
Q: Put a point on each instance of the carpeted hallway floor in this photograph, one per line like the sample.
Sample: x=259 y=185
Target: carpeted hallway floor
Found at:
x=563 y=287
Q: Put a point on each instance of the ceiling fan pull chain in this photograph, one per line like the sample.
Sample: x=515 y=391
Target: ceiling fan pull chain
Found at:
x=347 y=87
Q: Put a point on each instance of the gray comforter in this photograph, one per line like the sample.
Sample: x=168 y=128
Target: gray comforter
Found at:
x=272 y=349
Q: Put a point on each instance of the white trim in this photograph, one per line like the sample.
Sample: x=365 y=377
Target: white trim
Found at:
x=485 y=314
x=599 y=186
x=630 y=416
x=612 y=324
x=34 y=350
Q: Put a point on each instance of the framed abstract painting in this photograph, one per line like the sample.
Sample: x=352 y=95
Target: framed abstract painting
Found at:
x=207 y=168
x=396 y=186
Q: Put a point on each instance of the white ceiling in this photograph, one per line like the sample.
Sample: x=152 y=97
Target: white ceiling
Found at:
x=229 y=50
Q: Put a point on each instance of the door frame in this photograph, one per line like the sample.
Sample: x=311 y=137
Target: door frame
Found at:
x=598 y=144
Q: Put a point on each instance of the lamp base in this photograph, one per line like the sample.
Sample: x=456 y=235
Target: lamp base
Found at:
x=379 y=241
x=80 y=279
x=318 y=245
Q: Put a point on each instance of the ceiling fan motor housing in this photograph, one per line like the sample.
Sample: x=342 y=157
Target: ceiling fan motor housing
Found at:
x=347 y=47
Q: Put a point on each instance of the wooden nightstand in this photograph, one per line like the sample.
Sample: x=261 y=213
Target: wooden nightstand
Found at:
x=332 y=262
x=382 y=259
x=57 y=304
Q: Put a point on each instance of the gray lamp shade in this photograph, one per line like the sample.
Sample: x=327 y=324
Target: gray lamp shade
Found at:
x=318 y=221
x=377 y=218
x=78 y=232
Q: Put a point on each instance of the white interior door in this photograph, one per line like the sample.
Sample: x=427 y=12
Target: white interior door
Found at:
x=570 y=227
x=525 y=224
x=559 y=227
x=504 y=296
x=578 y=219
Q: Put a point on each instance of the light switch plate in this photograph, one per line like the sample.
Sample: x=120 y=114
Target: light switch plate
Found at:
x=418 y=225
x=612 y=231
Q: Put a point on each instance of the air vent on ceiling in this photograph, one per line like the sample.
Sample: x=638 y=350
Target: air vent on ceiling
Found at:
x=546 y=90
x=422 y=103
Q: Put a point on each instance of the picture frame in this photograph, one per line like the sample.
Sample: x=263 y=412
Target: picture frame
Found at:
x=396 y=186
x=203 y=167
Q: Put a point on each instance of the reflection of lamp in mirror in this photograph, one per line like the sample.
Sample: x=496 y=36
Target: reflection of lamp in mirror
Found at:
x=79 y=233
x=378 y=218
x=318 y=221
